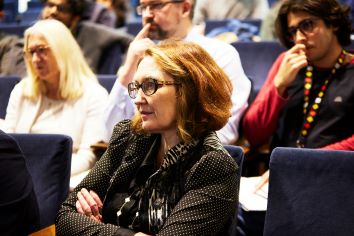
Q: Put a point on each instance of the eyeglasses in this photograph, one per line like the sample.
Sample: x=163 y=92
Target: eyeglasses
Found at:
x=306 y=27
x=149 y=87
x=60 y=7
x=154 y=6
x=41 y=51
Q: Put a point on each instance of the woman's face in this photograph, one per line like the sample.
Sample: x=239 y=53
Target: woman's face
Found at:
x=42 y=59
x=158 y=110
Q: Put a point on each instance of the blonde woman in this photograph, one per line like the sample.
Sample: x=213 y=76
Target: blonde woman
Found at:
x=59 y=95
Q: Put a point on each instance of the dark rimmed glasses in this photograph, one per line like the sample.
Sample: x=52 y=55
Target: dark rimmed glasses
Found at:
x=305 y=26
x=154 y=6
x=60 y=7
x=148 y=86
x=41 y=51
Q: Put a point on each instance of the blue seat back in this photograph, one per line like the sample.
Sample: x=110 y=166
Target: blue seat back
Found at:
x=30 y=16
x=111 y=59
x=310 y=192
x=107 y=81
x=237 y=153
x=48 y=157
x=257 y=58
x=6 y=86
x=14 y=28
x=133 y=27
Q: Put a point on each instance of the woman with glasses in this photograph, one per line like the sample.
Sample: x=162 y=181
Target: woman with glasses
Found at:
x=60 y=94
x=165 y=171
x=308 y=98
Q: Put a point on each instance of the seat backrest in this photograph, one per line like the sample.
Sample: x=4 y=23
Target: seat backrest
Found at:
x=31 y=15
x=107 y=81
x=237 y=153
x=134 y=26
x=257 y=58
x=48 y=157
x=110 y=60
x=14 y=28
x=310 y=192
x=6 y=86
x=213 y=24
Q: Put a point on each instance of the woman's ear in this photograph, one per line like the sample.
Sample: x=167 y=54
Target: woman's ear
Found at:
x=187 y=8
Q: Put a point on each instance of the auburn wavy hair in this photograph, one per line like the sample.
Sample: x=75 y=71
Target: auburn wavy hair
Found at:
x=203 y=93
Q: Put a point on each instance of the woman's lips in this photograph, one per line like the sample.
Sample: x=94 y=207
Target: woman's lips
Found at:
x=144 y=114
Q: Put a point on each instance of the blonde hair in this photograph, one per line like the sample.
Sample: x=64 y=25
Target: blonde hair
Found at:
x=74 y=70
x=204 y=90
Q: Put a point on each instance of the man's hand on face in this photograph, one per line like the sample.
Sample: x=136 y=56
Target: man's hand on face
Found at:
x=294 y=60
x=136 y=50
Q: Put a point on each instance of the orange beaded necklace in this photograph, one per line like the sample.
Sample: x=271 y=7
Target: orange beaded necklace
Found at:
x=309 y=115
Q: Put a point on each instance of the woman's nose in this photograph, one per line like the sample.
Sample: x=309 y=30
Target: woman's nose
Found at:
x=140 y=97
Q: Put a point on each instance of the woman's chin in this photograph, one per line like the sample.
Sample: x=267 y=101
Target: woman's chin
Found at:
x=146 y=126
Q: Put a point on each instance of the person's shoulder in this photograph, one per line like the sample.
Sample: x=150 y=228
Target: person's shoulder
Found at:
x=215 y=157
x=220 y=51
x=21 y=85
x=94 y=87
x=214 y=165
x=122 y=130
x=209 y=43
x=219 y=160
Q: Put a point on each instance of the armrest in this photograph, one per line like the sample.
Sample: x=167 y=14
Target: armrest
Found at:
x=48 y=231
x=99 y=148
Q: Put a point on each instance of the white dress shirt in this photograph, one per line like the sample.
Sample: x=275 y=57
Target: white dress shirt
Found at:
x=121 y=106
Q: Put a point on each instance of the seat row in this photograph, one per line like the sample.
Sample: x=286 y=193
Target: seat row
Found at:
x=310 y=191
x=8 y=83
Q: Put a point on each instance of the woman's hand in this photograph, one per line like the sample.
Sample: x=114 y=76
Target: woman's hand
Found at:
x=89 y=204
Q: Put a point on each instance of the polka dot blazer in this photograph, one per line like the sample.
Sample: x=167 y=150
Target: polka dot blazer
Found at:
x=202 y=205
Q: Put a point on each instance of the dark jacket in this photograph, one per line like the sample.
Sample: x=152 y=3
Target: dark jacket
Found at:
x=194 y=192
x=94 y=39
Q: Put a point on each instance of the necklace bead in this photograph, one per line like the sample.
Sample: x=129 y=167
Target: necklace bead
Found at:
x=310 y=114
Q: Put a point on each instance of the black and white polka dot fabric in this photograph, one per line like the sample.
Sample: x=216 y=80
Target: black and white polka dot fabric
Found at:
x=207 y=199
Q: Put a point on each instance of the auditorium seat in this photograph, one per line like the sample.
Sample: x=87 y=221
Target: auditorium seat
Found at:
x=7 y=83
x=257 y=59
x=107 y=81
x=48 y=158
x=310 y=193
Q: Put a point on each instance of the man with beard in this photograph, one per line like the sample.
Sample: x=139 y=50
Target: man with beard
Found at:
x=173 y=20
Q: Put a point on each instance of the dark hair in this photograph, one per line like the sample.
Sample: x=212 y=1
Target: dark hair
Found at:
x=121 y=8
x=330 y=11
x=77 y=7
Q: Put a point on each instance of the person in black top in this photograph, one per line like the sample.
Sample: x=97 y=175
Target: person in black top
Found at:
x=18 y=203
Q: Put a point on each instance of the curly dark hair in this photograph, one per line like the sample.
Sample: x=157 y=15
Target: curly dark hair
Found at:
x=330 y=11
x=77 y=7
